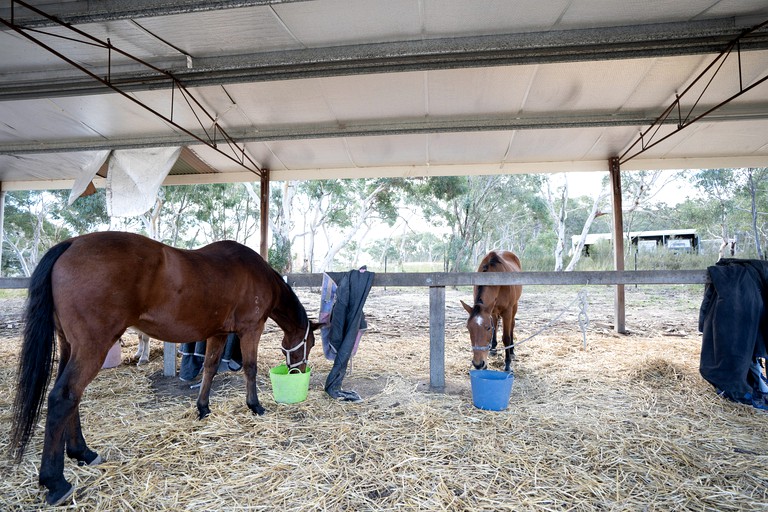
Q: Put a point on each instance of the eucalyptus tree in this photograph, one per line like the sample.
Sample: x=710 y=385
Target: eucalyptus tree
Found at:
x=482 y=213
x=757 y=188
x=353 y=208
x=719 y=187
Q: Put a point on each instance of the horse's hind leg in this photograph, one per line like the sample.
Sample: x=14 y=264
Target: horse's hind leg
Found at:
x=142 y=353
x=214 y=347
x=63 y=421
x=75 y=442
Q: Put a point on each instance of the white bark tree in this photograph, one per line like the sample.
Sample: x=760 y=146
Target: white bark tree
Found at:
x=558 y=214
x=594 y=213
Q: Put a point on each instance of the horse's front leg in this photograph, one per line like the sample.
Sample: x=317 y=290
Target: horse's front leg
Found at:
x=249 y=346
x=508 y=322
x=494 y=340
x=214 y=347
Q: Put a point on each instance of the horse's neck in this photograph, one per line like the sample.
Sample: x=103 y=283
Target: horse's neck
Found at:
x=288 y=312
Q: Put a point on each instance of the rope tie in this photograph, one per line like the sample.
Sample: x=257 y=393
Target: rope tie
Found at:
x=581 y=297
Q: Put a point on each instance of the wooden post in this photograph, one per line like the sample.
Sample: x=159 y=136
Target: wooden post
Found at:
x=437 y=338
x=169 y=359
x=264 y=247
x=619 y=303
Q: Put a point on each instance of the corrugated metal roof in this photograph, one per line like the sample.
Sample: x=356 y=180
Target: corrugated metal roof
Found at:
x=327 y=88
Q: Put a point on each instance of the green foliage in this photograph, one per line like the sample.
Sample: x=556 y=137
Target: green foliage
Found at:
x=29 y=229
x=280 y=254
x=469 y=216
x=85 y=215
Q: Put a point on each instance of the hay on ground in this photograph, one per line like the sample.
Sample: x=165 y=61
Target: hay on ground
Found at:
x=626 y=424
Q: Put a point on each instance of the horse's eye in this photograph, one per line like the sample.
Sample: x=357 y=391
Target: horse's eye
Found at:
x=488 y=328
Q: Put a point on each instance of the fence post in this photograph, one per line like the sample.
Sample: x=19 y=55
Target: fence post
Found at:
x=437 y=338
x=169 y=359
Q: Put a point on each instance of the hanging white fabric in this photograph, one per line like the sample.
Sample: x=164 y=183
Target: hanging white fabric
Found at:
x=92 y=162
x=134 y=178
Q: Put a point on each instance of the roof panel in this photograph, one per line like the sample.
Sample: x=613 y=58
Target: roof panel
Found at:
x=336 y=22
x=490 y=16
x=392 y=150
x=468 y=148
x=437 y=93
x=225 y=32
x=603 y=13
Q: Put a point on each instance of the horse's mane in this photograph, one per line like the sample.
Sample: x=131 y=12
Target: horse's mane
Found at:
x=490 y=261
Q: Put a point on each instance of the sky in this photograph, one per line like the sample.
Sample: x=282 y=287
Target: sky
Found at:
x=671 y=192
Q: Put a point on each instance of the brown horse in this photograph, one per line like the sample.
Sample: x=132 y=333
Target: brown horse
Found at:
x=491 y=304
x=89 y=289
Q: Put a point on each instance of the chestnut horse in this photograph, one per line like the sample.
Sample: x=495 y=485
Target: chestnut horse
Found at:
x=491 y=304
x=89 y=289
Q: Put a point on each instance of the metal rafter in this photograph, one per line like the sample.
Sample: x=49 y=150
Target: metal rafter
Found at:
x=608 y=43
x=206 y=136
x=682 y=116
x=376 y=127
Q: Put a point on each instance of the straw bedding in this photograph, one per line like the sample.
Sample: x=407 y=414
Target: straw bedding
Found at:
x=627 y=424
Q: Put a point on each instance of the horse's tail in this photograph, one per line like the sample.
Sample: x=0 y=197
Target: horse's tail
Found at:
x=36 y=360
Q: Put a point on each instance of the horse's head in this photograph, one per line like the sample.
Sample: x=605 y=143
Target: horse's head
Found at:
x=297 y=346
x=480 y=327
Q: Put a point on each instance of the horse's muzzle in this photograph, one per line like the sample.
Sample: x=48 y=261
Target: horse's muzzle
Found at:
x=482 y=366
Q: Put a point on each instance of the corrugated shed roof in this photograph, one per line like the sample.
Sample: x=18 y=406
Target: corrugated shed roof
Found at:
x=328 y=88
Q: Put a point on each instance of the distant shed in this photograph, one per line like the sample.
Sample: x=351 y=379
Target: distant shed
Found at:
x=677 y=240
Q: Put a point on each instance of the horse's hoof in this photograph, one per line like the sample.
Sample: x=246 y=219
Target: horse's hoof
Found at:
x=94 y=462
x=203 y=412
x=57 y=498
x=257 y=409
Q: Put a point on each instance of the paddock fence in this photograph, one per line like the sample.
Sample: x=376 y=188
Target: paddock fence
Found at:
x=438 y=281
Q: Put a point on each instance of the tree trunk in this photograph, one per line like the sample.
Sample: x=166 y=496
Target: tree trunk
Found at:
x=753 y=196
x=559 y=217
x=593 y=214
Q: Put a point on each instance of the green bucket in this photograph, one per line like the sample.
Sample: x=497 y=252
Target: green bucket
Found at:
x=289 y=386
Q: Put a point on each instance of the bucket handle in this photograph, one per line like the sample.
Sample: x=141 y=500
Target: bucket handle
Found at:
x=291 y=370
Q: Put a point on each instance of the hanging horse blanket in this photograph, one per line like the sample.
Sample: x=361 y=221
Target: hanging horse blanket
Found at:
x=347 y=322
x=734 y=324
x=193 y=357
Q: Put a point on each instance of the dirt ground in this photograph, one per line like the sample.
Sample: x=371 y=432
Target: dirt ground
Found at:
x=610 y=422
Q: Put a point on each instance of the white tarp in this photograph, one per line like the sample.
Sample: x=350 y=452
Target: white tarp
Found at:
x=134 y=178
x=93 y=162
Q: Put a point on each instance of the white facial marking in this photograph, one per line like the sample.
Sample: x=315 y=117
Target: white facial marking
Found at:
x=479 y=320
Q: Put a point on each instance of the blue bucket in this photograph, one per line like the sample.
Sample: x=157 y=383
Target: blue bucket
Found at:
x=491 y=389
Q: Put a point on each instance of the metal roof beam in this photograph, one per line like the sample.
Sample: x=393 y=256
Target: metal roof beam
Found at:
x=611 y=43
x=386 y=127
x=84 y=11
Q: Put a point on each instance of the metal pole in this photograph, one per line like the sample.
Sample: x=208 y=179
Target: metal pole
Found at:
x=619 y=303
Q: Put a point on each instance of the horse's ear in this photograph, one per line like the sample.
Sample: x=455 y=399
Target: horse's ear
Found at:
x=467 y=307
